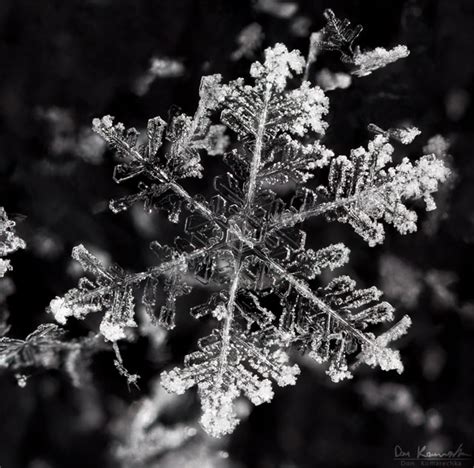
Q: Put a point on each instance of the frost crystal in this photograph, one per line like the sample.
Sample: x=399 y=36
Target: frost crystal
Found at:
x=4 y=266
x=371 y=60
x=403 y=135
x=339 y=35
x=99 y=294
x=9 y=241
x=366 y=189
x=47 y=347
x=247 y=244
x=278 y=67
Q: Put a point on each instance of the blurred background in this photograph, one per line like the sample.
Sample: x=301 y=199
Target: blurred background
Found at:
x=63 y=63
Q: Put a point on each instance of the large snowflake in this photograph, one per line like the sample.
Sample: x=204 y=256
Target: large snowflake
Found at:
x=247 y=243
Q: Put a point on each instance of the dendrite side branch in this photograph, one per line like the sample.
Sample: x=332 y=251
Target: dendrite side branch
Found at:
x=290 y=219
x=306 y=292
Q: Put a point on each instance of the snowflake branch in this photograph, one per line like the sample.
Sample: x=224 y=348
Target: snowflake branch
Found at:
x=134 y=278
x=226 y=330
x=305 y=291
x=289 y=219
x=257 y=153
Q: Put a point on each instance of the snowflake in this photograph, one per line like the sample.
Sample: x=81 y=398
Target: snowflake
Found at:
x=340 y=36
x=247 y=244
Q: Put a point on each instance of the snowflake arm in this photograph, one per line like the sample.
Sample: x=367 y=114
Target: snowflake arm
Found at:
x=351 y=325
x=367 y=62
x=112 y=290
x=185 y=136
x=364 y=190
x=252 y=360
x=9 y=241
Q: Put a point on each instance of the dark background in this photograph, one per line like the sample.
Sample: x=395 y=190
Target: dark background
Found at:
x=81 y=59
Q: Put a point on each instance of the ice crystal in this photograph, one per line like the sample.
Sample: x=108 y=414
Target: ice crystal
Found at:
x=368 y=61
x=248 y=244
x=48 y=347
x=248 y=40
x=4 y=266
x=278 y=8
x=9 y=241
x=329 y=81
x=23 y=353
x=144 y=437
x=160 y=67
x=405 y=135
x=339 y=35
x=279 y=65
x=89 y=297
